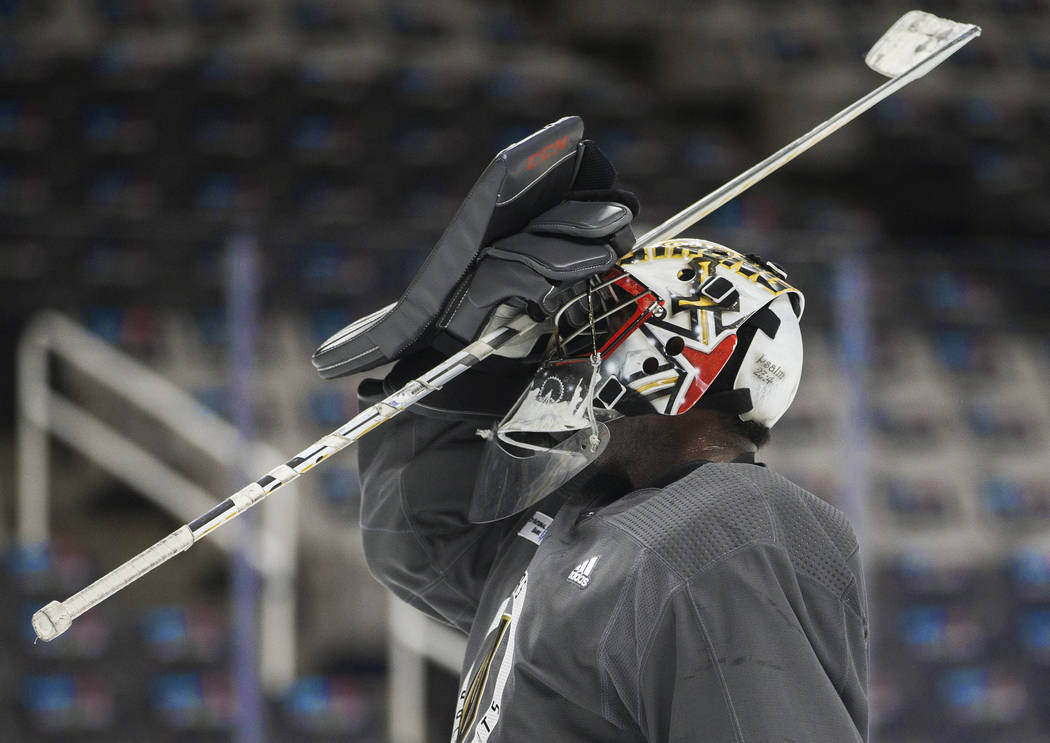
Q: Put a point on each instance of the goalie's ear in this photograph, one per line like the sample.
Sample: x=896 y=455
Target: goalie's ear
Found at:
x=523 y=181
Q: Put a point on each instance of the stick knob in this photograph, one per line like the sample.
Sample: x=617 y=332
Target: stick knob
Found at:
x=51 y=621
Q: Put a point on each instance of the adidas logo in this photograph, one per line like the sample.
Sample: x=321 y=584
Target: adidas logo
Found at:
x=581 y=574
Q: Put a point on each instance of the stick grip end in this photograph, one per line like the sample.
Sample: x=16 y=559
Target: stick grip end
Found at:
x=51 y=621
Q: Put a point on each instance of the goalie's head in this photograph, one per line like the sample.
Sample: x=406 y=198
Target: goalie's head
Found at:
x=724 y=333
x=676 y=325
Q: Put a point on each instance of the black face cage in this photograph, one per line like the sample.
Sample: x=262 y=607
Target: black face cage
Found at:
x=600 y=316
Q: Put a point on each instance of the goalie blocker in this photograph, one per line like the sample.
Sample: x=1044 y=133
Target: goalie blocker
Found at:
x=542 y=218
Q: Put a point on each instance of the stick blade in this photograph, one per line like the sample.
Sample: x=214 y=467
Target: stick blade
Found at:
x=914 y=37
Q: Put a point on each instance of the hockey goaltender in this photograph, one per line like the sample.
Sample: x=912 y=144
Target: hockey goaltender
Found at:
x=587 y=506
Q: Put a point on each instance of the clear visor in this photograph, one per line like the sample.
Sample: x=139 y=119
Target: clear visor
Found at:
x=552 y=433
x=511 y=481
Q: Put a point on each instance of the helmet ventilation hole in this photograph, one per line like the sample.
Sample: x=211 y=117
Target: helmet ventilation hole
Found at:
x=674 y=345
x=686 y=274
x=651 y=365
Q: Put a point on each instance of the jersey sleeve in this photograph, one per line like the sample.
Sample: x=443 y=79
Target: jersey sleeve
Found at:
x=737 y=654
x=417 y=479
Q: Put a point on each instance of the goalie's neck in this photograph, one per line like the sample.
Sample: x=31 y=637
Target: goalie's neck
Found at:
x=644 y=449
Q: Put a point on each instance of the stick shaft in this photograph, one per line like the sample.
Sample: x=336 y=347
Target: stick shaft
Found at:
x=55 y=618
x=700 y=209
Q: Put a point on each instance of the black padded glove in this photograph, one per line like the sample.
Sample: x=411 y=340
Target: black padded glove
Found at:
x=542 y=267
x=541 y=219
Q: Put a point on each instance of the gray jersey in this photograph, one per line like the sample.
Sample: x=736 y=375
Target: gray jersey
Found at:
x=725 y=606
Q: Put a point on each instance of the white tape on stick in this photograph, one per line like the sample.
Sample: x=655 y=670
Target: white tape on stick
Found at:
x=51 y=621
x=55 y=618
x=914 y=37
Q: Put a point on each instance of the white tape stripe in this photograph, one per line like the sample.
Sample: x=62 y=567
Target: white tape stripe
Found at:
x=335 y=441
x=248 y=496
x=284 y=473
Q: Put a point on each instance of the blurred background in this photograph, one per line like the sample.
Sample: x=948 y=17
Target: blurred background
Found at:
x=195 y=193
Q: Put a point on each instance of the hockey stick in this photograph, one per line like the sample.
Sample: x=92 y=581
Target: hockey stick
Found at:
x=913 y=46
x=902 y=53
x=55 y=618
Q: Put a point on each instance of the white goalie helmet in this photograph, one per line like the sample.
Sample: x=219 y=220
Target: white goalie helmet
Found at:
x=674 y=324
x=717 y=311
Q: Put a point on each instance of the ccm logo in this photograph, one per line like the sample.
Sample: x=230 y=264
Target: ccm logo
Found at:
x=542 y=156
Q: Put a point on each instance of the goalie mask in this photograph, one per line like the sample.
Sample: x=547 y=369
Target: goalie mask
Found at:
x=681 y=323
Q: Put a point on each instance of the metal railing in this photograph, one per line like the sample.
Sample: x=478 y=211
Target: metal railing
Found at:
x=43 y=412
x=415 y=639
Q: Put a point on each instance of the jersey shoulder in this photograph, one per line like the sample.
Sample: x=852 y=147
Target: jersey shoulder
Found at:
x=721 y=507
